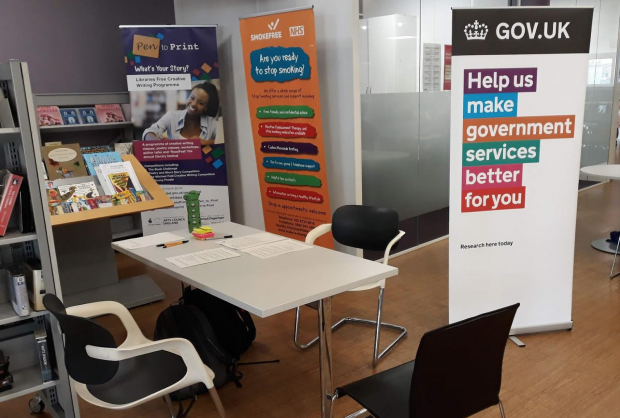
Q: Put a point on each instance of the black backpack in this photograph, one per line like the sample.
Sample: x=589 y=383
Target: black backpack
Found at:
x=188 y=322
x=233 y=326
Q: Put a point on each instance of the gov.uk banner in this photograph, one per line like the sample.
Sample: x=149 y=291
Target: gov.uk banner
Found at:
x=174 y=86
x=518 y=94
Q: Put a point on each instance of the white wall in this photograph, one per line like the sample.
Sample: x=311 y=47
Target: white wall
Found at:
x=336 y=29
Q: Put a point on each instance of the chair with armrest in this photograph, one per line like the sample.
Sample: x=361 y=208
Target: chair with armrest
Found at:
x=457 y=372
x=131 y=374
x=366 y=228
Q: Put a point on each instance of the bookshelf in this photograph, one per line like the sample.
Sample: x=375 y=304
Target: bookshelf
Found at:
x=20 y=149
x=81 y=128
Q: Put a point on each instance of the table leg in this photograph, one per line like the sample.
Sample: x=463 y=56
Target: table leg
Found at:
x=325 y=357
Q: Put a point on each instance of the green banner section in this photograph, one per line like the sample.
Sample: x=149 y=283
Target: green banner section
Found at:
x=291 y=179
x=284 y=112
x=508 y=152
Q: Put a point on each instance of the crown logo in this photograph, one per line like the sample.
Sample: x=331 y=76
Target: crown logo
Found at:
x=476 y=31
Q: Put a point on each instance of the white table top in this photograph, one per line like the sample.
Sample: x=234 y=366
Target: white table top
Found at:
x=608 y=171
x=265 y=287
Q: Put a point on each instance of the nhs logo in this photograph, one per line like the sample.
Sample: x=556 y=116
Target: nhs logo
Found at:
x=296 y=31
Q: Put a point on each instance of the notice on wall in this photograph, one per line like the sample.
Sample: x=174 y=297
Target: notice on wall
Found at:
x=279 y=52
x=174 y=86
x=431 y=67
x=518 y=93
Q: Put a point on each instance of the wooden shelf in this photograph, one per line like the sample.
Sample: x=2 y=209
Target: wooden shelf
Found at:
x=13 y=236
x=85 y=127
x=27 y=380
x=8 y=315
x=160 y=200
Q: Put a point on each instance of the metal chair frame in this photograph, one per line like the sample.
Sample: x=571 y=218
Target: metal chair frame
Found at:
x=311 y=237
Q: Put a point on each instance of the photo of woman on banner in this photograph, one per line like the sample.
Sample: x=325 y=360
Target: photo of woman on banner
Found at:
x=199 y=119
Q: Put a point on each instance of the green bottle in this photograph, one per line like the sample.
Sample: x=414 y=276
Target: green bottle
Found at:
x=193 y=209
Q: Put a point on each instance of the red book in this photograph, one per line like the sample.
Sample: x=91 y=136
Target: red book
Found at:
x=10 y=188
x=109 y=113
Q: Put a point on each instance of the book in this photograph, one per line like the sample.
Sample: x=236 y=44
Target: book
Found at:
x=63 y=161
x=110 y=113
x=88 y=115
x=45 y=359
x=25 y=216
x=49 y=116
x=6 y=116
x=124 y=148
x=120 y=177
x=103 y=202
x=80 y=190
x=95 y=149
x=17 y=288
x=95 y=159
x=35 y=285
x=70 y=116
x=10 y=188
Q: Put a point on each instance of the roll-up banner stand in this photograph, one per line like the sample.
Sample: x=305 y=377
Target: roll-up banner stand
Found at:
x=518 y=94
x=173 y=78
x=282 y=80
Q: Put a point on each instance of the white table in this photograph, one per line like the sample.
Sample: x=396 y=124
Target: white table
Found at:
x=266 y=287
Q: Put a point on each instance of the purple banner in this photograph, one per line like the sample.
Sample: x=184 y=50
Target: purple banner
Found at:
x=500 y=80
x=287 y=147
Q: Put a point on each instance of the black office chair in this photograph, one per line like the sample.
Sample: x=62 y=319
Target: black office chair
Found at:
x=457 y=373
x=367 y=228
x=133 y=373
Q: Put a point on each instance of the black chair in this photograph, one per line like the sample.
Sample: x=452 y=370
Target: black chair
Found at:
x=457 y=373
x=367 y=228
x=133 y=373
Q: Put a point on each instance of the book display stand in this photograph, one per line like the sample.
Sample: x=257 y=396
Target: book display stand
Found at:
x=29 y=241
x=83 y=239
x=85 y=257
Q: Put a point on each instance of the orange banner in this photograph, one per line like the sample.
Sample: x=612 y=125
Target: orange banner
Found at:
x=518 y=128
x=282 y=79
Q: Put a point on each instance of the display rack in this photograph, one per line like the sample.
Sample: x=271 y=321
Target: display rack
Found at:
x=22 y=155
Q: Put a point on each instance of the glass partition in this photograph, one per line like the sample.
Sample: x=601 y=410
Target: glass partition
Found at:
x=405 y=105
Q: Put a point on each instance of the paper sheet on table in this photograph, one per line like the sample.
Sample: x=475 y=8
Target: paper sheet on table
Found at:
x=156 y=239
x=250 y=240
x=202 y=257
x=276 y=248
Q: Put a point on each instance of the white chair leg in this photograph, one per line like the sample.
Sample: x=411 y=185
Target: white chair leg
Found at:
x=501 y=409
x=218 y=403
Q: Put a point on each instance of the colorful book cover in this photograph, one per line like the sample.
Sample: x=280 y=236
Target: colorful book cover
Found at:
x=10 y=188
x=70 y=116
x=120 y=182
x=49 y=116
x=95 y=149
x=95 y=159
x=79 y=190
x=109 y=113
x=63 y=161
x=66 y=207
x=103 y=202
x=124 y=167
x=88 y=115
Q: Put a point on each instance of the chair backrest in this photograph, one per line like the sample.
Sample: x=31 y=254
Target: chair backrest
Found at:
x=458 y=368
x=80 y=332
x=365 y=227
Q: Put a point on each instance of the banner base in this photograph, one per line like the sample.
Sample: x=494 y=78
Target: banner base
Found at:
x=556 y=326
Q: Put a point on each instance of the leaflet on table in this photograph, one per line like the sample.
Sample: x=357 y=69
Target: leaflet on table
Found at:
x=274 y=249
x=149 y=240
x=251 y=240
x=202 y=257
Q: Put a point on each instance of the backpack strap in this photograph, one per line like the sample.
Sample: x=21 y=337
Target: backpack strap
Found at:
x=247 y=319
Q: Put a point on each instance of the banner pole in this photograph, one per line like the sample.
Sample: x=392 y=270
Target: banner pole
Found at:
x=274 y=12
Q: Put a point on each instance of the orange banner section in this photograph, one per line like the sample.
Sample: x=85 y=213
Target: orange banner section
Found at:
x=282 y=80
x=519 y=128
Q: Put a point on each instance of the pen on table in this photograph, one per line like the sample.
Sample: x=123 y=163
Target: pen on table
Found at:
x=173 y=244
